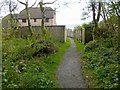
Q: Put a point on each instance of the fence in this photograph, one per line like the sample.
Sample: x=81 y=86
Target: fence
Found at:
x=84 y=35
x=70 y=33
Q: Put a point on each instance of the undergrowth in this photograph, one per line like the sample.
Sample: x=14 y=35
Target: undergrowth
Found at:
x=100 y=64
x=21 y=70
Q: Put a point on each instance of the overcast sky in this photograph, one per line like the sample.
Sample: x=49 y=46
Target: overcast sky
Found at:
x=69 y=15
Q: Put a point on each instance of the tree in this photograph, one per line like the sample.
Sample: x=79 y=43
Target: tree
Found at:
x=42 y=9
x=96 y=17
x=11 y=6
x=115 y=9
x=27 y=12
x=85 y=15
x=111 y=15
x=95 y=8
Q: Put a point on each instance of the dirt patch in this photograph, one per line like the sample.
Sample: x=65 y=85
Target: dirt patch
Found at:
x=43 y=48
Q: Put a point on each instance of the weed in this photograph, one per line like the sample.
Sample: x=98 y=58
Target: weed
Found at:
x=100 y=60
x=21 y=70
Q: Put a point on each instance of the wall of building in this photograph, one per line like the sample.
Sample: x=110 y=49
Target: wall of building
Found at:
x=54 y=20
x=37 y=23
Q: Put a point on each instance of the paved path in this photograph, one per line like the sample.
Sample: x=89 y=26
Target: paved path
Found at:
x=69 y=71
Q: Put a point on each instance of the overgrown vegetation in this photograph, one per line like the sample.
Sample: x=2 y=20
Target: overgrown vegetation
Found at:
x=101 y=57
x=22 y=70
x=100 y=64
x=83 y=26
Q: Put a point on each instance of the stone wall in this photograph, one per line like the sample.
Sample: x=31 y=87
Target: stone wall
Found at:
x=58 y=32
x=84 y=35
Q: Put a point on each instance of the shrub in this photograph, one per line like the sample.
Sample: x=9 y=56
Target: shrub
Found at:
x=92 y=45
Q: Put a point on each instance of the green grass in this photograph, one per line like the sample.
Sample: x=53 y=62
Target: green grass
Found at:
x=56 y=59
x=79 y=46
x=20 y=70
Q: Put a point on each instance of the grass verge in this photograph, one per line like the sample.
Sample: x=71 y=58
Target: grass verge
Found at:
x=79 y=46
x=55 y=59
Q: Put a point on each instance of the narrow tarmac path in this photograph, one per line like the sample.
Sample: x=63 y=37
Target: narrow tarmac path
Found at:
x=69 y=72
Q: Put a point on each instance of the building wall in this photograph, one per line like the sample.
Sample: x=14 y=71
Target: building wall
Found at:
x=37 y=23
x=54 y=20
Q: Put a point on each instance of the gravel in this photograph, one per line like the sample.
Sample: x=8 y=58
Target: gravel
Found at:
x=69 y=72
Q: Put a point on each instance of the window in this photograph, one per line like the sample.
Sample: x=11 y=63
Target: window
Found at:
x=47 y=20
x=35 y=20
x=24 y=20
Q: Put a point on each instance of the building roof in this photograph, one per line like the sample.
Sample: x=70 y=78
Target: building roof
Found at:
x=15 y=16
x=36 y=13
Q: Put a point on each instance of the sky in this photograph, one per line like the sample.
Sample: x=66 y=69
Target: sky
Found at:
x=69 y=15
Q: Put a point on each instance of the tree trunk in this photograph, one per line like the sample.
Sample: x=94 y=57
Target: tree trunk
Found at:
x=28 y=18
x=94 y=21
x=104 y=15
x=95 y=29
x=43 y=17
x=11 y=15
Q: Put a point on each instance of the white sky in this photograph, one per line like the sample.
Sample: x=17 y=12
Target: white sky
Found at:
x=69 y=16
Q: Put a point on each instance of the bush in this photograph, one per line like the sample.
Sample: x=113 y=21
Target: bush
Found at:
x=92 y=45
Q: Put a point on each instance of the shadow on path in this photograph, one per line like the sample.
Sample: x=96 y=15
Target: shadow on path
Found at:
x=69 y=72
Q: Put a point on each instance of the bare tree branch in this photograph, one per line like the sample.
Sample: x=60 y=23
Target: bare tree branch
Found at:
x=33 y=4
x=49 y=2
x=21 y=2
x=14 y=7
x=99 y=11
x=116 y=11
x=57 y=7
x=28 y=15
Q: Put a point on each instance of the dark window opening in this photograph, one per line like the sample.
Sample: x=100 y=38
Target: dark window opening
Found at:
x=35 y=20
x=47 y=20
x=24 y=20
